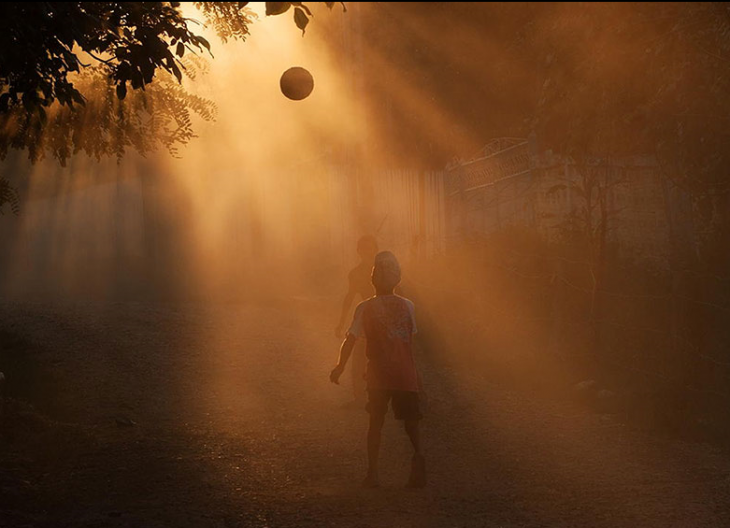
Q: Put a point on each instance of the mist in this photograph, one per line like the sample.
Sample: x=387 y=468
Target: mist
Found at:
x=552 y=179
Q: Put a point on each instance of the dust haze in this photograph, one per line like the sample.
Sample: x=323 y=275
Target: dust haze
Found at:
x=568 y=267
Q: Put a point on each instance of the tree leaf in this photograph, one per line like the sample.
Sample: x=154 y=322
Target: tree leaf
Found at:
x=204 y=42
x=277 y=8
x=306 y=9
x=77 y=97
x=122 y=90
x=176 y=71
x=300 y=19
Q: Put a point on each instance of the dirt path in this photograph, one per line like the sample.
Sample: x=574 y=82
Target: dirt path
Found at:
x=180 y=415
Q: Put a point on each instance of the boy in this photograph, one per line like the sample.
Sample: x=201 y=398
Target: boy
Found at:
x=387 y=321
x=359 y=285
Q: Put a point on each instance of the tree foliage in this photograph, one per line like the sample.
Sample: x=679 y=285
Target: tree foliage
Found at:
x=100 y=77
x=8 y=196
x=638 y=79
x=105 y=77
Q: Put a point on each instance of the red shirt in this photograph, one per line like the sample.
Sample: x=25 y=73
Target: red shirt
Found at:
x=388 y=323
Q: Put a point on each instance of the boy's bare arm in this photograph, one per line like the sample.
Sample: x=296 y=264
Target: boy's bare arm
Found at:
x=345 y=352
x=346 y=303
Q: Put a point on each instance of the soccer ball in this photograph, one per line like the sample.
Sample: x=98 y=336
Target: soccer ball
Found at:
x=296 y=83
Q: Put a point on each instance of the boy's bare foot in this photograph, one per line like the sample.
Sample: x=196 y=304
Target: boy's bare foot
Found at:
x=417 y=478
x=371 y=481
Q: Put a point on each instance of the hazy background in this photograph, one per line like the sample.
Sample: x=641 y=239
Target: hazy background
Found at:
x=267 y=203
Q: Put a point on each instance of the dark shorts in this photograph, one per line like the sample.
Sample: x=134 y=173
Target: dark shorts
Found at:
x=404 y=403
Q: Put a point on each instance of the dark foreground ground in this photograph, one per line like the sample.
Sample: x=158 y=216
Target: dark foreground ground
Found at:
x=182 y=415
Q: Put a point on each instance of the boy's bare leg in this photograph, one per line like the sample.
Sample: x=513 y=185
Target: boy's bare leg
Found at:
x=374 y=433
x=414 y=435
x=417 y=478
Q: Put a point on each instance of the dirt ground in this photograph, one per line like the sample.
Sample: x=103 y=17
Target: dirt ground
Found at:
x=162 y=415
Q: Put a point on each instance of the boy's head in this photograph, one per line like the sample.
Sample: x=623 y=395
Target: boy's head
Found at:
x=367 y=247
x=386 y=272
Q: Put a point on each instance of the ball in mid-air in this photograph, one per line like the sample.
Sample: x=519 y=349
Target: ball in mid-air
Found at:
x=296 y=83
